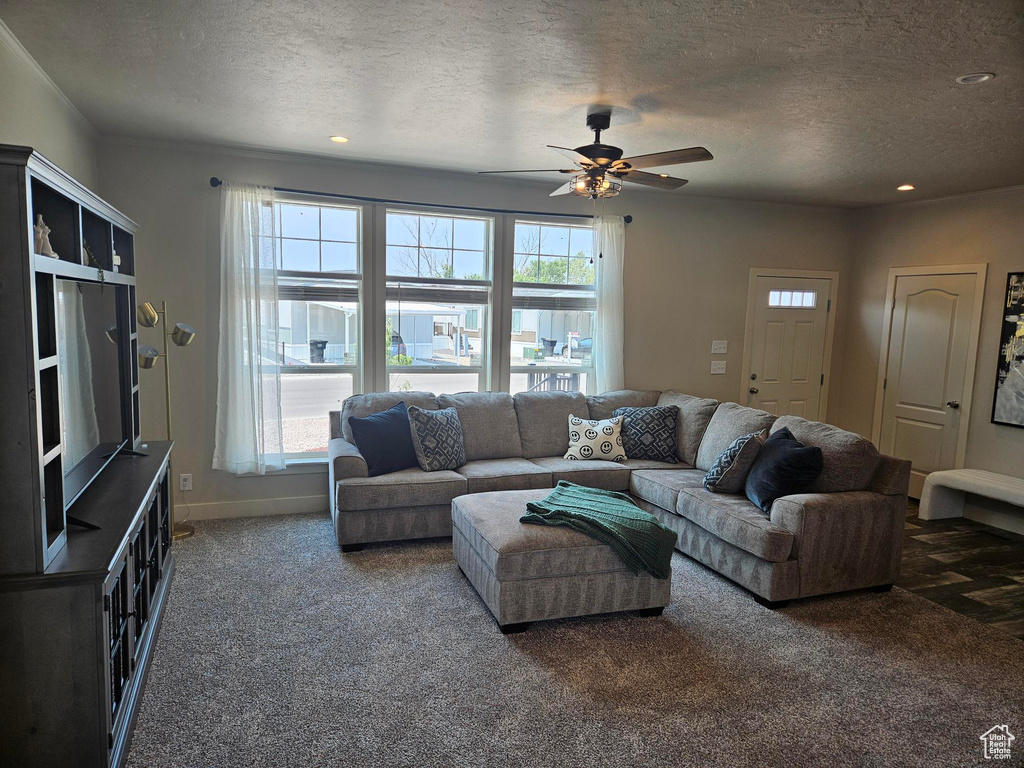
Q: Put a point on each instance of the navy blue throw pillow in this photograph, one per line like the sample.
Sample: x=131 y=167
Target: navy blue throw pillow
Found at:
x=783 y=466
x=384 y=440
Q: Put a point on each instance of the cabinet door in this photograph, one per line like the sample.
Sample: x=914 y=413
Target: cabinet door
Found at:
x=117 y=606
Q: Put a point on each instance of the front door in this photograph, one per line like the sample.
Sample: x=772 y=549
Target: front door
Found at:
x=925 y=371
x=787 y=355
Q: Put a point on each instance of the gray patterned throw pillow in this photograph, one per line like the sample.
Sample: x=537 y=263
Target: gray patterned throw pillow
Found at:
x=437 y=438
x=650 y=433
x=729 y=472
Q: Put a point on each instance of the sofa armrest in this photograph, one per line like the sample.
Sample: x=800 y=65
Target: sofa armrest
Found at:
x=345 y=460
x=843 y=540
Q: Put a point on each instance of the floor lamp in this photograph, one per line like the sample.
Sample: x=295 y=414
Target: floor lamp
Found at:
x=181 y=334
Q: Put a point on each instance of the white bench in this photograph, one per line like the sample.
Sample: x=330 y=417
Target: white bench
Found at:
x=944 y=491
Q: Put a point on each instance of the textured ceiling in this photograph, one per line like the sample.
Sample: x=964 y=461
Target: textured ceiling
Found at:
x=835 y=101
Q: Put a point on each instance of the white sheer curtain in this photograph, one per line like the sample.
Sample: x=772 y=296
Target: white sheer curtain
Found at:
x=610 y=244
x=249 y=437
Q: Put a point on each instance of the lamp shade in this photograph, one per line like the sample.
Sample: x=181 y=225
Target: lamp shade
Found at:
x=183 y=334
x=148 y=316
x=148 y=355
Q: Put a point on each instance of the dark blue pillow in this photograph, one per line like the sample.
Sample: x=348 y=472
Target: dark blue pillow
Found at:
x=783 y=466
x=384 y=439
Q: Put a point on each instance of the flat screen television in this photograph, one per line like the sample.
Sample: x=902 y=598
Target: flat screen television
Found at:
x=90 y=382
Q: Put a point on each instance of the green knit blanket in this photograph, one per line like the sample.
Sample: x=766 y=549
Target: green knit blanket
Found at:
x=612 y=518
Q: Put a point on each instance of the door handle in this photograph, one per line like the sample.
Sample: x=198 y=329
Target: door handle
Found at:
x=954 y=404
x=754 y=390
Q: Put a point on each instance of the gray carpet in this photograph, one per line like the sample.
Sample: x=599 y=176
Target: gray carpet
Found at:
x=276 y=650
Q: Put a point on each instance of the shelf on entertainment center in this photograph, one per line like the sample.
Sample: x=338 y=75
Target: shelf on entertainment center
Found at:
x=109 y=502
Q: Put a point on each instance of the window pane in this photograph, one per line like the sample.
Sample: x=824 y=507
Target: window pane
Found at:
x=774 y=298
x=300 y=255
x=300 y=221
x=553 y=338
x=435 y=262
x=787 y=299
x=318 y=332
x=581 y=272
x=527 y=269
x=470 y=234
x=422 y=333
x=469 y=265
x=402 y=261
x=403 y=229
x=553 y=269
x=339 y=257
x=527 y=238
x=435 y=231
x=554 y=241
x=339 y=224
x=809 y=298
x=545 y=381
x=306 y=399
x=517 y=322
x=581 y=242
x=438 y=383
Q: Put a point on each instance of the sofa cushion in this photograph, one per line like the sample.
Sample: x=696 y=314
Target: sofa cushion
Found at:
x=849 y=460
x=512 y=551
x=437 y=438
x=590 y=439
x=603 y=406
x=648 y=464
x=661 y=487
x=361 y=406
x=384 y=441
x=783 y=466
x=729 y=472
x=729 y=422
x=609 y=475
x=542 y=417
x=490 y=429
x=405 y=488
x=735 y=520
x=650 y=433
x=504 y=475
x=694 y=415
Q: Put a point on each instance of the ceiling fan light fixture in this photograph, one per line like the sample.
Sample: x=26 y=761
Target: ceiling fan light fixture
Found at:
x=595 y=185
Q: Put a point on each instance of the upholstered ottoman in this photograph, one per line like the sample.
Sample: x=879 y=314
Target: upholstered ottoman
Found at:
x=529 y=573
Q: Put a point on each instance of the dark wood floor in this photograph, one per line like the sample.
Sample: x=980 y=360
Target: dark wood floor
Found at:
x=968 y=567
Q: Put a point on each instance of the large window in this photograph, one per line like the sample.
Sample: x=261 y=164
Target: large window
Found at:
x=554 y=305
x=317 y=251
x=438 y=301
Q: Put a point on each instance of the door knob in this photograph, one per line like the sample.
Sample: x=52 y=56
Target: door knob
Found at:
x=754 y=390
x=954 y=404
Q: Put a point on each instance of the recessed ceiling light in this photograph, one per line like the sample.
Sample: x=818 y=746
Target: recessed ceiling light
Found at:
x=975 y=77
x=339 y=139
x=905 y=188
x=663 y=175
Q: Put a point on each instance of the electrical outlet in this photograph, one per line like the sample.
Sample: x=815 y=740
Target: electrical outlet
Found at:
x=719 y=347
x=184 y=482
x=717 y=367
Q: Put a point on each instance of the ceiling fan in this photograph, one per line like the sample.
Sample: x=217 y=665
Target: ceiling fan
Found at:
x=601 y=168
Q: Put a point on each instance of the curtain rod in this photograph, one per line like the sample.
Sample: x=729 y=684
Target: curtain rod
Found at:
x=215 y=182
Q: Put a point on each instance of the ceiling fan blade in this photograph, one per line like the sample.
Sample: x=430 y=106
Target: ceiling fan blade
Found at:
x=565 y=189
x=673 y=157
x=573 y=155
x=652 y=179
x=537 y=170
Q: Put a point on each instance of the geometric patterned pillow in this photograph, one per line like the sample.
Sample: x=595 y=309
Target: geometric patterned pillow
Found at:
x=437 y=438
x=593 y=439
x=729 y=472
x=650 y=433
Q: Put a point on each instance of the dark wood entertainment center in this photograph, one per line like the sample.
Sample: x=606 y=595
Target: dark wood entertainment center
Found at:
x=79 y=607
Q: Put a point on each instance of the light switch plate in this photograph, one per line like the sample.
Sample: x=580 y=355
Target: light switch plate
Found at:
x=717 y=366
x=719 y=347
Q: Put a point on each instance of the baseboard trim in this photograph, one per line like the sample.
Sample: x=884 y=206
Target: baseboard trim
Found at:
x=215 y=510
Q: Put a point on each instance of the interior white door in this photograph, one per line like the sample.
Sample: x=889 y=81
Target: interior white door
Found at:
x=925 y=371
x=787 y=355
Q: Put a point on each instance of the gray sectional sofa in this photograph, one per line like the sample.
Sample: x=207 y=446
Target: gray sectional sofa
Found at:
x=846 y=534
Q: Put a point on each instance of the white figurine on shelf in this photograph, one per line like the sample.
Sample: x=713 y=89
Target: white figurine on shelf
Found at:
x=117 y=260
x=42 y=244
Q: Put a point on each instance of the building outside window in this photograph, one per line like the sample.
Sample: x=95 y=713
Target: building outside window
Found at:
x=318 y=246
x=554 y=296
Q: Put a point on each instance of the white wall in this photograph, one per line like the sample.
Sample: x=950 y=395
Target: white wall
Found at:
x=34 y=113
x=985 y=227
x=685 y=284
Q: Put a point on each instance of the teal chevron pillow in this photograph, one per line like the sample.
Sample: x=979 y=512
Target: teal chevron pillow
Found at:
x=729 y=472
